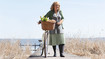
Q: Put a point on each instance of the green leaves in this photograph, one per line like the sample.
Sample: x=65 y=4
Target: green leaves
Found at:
x=43 y=18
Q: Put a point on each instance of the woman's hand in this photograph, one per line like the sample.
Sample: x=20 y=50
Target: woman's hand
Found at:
x=39 y=22
x=59 y=23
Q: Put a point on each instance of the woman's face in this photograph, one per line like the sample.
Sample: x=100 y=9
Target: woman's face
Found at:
x=56 y=6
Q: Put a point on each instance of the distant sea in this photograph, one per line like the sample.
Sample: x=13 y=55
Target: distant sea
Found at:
x=24 y=41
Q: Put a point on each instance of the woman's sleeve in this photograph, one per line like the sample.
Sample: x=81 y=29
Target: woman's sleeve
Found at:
x=48 y=14
x=61 y=15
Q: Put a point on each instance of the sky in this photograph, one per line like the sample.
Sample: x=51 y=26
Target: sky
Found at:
x=82 y=18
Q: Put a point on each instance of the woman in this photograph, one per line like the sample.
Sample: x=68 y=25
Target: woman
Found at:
x=56 y=35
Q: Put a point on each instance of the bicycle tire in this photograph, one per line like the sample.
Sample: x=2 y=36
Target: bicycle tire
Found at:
x=45 y=50
x=42 y=52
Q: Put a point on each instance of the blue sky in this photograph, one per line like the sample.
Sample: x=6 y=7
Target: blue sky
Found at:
x=83 y=18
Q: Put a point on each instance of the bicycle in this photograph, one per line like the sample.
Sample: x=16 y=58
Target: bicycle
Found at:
x=45 y=43
x=46 y=26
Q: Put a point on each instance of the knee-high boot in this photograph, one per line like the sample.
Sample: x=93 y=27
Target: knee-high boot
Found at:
x=61 y=50
x=54 y=49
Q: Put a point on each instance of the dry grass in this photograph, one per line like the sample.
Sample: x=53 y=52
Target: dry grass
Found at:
x=85 y=47
x=12 y=50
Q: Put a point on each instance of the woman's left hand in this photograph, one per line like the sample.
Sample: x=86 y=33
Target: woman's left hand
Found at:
x=59 y=23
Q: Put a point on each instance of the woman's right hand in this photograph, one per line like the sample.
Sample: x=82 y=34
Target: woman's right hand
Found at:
x=39 y=22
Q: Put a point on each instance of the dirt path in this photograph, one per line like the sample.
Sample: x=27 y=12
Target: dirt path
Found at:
x=50 y=55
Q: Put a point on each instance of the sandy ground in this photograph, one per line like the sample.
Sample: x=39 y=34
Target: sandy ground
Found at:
x=50 y=55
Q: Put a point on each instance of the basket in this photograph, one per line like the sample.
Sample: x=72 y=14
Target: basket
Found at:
x=46 y=25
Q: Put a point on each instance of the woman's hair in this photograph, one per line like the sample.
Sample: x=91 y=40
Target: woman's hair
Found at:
x=52 y=6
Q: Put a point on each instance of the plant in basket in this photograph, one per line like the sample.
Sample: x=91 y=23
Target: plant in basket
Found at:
x=44 y=18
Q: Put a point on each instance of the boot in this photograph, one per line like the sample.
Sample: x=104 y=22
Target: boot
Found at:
x=54 y=49
x=61 y=49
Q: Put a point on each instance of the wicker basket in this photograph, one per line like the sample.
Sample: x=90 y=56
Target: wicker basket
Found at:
x=47 y=25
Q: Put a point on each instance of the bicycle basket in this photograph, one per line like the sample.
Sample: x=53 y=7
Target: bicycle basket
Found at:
x=48 y=25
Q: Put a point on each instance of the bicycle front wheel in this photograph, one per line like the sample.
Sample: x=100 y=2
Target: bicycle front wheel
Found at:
x=45 y=46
